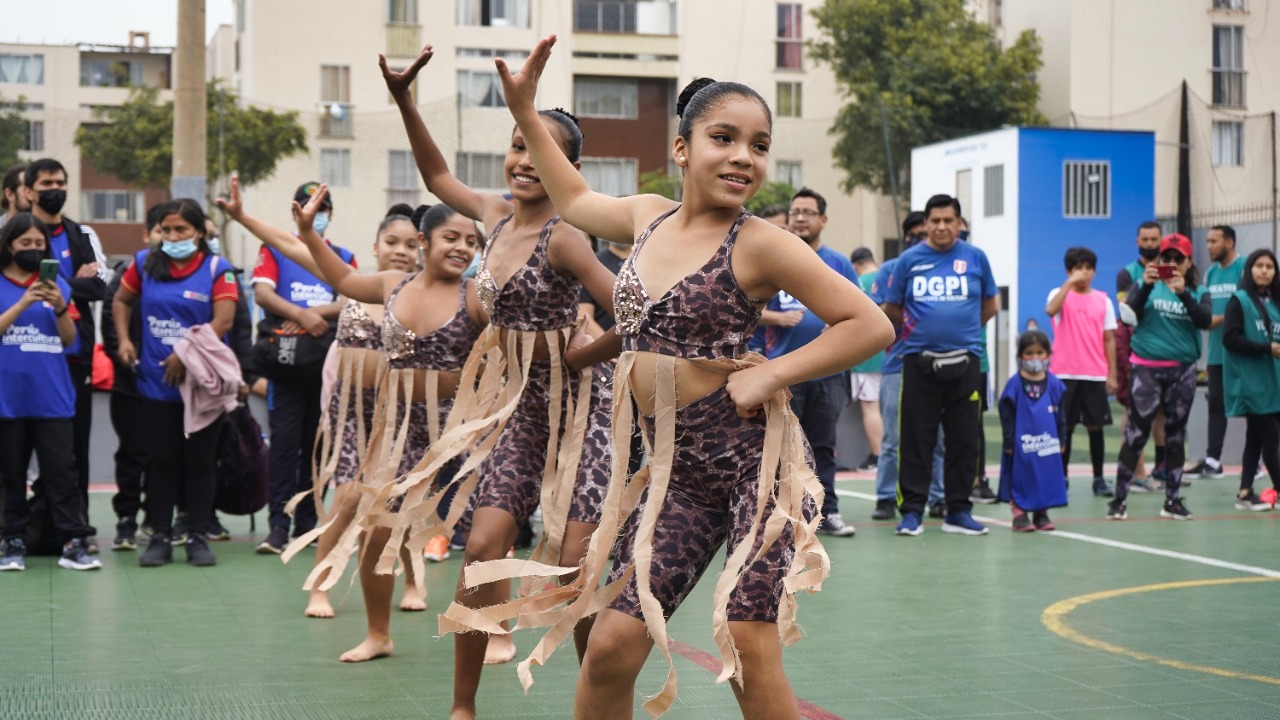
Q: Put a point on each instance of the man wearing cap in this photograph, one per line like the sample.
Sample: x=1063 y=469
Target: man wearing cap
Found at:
x=298 y=302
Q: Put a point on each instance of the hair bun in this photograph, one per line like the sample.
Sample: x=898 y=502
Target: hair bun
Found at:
x=399 y=209
x=567 y=114
x=689 y=91
x=417 y=214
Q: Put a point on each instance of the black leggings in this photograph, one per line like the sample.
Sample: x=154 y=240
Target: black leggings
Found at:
x=1262 y=438
x=51 y=441
x=178 y=464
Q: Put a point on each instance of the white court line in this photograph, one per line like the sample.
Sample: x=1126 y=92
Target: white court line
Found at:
x=1212 y=562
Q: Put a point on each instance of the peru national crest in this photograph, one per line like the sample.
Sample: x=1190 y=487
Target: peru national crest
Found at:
x=959 y=266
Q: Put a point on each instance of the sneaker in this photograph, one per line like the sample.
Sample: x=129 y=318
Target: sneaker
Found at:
x=937 y=510
x=216 y=531
x=1022 y=523
x=1117 y=511
x=1158 y=477
x=1144 y=485
x=159 y=552
x=91 y=545
x=1206 y=468
x=198 y=552
x=962 y=523
x=1251 y=502
x=145 y=532
x=437 y=549
x=458 y=542
x=835 y=525
x=75 y=556
x=910 y=525
x=126 y=535
x=982 y=492
x=14 y=556
x=1042 y=522
x=870 y=463
x=1175 y=510
x=1101 y=488
x=274 y=543
x=178 y=535
x=885 y=510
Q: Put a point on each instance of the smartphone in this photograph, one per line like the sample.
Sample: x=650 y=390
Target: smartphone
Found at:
x=1166 y=271
x=48 y=270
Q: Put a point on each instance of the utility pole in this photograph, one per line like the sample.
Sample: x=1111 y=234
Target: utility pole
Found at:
x=189 y=123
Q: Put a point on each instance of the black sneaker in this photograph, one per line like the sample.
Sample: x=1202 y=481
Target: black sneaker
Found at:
x=275 y=542
x=1175 y=510
x=938 y=510
x=198 y=552
x=835 y=525
x=1206 y=468
x=885 y=510
x=178 y=535
x=1117 y=511
x=458 y=541
x=14 y=555
x=1022 y=523
x=1251 y=502
x=159 y=552
x=126 y=535
x=870 y=463
x=91 y=545
x=1101 y=488
x=982 y=492
x=217 y=531
x=75 y=556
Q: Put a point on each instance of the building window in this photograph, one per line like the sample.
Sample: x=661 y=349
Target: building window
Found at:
x=402 y=178
x=494 y=13
x=21 y=69
x=789 y=97
x=1228 y=144
x=789 y=172
x=112 y=205
x=611 y=176
x=509 y=55
x=335 y=101
x=35 y=136
x=609 y=16
x=1086 y=189
x=1228 y=65
x=606 y=97
x=482 y=171
x=110 y=73
x=241 y=12
x=402 y=12
x=993 y=191
x=790 y=43
x=335 y=167
x=1228 y=4
x=478 y=88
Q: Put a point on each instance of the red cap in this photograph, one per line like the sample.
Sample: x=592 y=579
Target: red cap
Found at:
x=1174 y=241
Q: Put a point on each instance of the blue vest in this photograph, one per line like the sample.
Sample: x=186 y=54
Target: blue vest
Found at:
x=1032 y=476
x=302 y=288
x=34 y=379
x=169 y=308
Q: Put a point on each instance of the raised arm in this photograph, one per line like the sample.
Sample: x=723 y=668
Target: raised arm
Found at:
x=276 y=238
x=431 y=162
x=601 y=215
x=335 y=271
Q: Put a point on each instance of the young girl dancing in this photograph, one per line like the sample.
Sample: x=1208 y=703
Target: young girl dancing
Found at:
x=1031 y=474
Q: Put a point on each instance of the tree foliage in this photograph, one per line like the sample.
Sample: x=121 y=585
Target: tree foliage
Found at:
x=937 y=72
x=771 y=193
x=15 y=133
x=134 y=141
x=659 y=182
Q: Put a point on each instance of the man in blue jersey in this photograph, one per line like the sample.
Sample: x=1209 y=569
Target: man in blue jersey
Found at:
x=816 y=402
x=946 y=296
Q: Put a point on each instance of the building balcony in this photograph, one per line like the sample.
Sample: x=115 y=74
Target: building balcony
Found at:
x=336 y=120
x=404 y=40
x=633 y=17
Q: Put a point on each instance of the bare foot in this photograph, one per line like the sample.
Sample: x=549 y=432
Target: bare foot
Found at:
x=318 y=605
x=466 y=713
x=370 y=649
x=499 y=650
x=411 y=600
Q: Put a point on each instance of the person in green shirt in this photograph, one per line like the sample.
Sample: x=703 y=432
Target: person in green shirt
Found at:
x=1250 y=374
x=1221 y=280
x=1171 y=309
x=864 y=378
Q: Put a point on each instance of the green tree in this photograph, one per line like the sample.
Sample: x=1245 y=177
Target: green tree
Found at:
x=658 y=182
x=772 y=193
x=15 y=132
x=134 y=141
x=936 y=72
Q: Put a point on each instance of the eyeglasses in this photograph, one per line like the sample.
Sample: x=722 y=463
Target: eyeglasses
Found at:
x=805 y=212
x=1174 y=258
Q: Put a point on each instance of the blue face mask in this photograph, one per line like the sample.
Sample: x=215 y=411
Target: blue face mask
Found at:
x=215 y=246
x=321 y=223
x=475 y=265
x=180 y=250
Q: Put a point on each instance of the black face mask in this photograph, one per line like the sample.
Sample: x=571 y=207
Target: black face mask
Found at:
x=1149 y=254
x=51 y=201
x=28 y=260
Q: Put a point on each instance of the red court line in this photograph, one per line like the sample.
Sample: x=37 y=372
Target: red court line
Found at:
x=711 y=664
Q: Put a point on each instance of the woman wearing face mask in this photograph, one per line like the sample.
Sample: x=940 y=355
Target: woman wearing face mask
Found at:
x=175 y=285
x=1171 y=309
x=37 y=400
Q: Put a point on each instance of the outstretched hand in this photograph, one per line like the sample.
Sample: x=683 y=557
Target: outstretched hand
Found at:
x=232 y=205
x=398 y=83
x=305 y=215
x=519 y=89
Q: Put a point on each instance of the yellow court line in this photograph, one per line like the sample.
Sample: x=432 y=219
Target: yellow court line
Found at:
x=1055 y=619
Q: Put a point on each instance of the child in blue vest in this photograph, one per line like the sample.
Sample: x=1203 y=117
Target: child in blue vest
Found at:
x=37 y=398
x=1031 y=475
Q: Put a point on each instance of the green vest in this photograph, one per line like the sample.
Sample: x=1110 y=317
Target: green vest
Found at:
x=1135 y=270
x=1166 y=331
x=1251 y=383
x=1221 y=283
x=875 y=362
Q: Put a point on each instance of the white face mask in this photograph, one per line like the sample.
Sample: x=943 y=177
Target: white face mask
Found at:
x=1035 y=366
x=215 y=245
x=321 y=223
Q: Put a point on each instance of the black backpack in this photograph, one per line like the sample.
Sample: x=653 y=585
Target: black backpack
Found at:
x=240 y=468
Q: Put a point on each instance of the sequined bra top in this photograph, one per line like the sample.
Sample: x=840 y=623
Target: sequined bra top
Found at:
x=536 y=297
x=445 y=348
x=705 y=315
x=356 y=329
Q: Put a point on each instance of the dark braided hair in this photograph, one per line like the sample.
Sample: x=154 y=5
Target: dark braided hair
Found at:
x=568 y=124
x=703 y=94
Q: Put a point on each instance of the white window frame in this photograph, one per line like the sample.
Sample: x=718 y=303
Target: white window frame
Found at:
x=482 y=171
x=793 y=107
x=335 y=167
x=468 y=89
x=1086 y=189
x=402 y=12
x=617 y=176
x=502 y=13
x=1228 y=143
x=1228 y=66
x=790 y=172
x=606 y=97
x=783 y=43
x=993 y=191
x=123 y=206
x=21 y=68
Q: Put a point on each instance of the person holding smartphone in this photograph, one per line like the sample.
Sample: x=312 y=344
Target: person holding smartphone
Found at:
x=1172 y=308
x=37 y=398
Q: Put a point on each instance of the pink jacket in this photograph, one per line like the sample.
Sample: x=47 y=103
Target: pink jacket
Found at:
x=212 y=381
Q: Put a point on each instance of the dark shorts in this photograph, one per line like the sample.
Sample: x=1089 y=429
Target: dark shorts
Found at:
x=1085 y=403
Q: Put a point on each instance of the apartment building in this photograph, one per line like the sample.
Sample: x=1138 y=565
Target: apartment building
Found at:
x=618 y=65
x=60 y=86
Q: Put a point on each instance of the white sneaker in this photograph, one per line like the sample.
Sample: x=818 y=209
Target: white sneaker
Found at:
x=835 y=525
